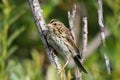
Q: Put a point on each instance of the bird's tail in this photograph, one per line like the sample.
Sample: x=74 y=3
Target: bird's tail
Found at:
x=79 y=64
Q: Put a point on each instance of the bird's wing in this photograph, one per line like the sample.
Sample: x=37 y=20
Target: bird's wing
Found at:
x=69 y=37
x=72 y=43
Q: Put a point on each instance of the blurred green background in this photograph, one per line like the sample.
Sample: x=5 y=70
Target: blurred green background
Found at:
x=22 y=55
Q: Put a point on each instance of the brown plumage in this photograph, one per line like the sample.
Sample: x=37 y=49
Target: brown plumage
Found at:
x=61 y=39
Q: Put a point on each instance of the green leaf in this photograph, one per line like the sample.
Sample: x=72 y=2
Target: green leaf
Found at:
x=16 y=17
x=12 y=50
x=14 y=35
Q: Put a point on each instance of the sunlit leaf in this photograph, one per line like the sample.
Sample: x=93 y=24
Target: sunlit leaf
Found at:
x=51 y=73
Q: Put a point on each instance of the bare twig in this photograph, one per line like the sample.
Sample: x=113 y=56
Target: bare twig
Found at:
x=100 y=20
x=78 y=75
x=84 y=38
x=95 y=43
x=102 y=29
x=71 y=17
x=40 y=24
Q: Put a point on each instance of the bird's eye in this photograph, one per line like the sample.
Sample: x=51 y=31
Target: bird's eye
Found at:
x=55 y=24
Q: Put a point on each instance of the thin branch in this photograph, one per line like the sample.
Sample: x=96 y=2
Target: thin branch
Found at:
x=102 y=29
x=95 y=43
x=71 y=18
x=78 y=75
x=41 y=26
x=100 y=20
x=84 y=38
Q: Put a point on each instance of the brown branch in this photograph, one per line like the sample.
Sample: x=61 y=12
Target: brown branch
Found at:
x=102 y=29
x=100 y=20
x=84 y=38
x=71 y=18
x=41 y=26
x=95 y=43
x=78 y=74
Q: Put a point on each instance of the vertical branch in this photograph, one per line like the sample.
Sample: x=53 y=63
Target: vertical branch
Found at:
x=100 y=20
x=84 y=38
x=41 y=26
x=78 y=75
x=102 y=29
x=71 y=18
x=95 y=43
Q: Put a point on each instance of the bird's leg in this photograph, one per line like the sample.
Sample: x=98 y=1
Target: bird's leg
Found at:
x=68 y=60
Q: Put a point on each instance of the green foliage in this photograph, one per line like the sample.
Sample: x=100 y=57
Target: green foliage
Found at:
x=22 y=55
x=6 y=50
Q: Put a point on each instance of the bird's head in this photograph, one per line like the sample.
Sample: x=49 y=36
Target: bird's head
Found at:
x=54 y=24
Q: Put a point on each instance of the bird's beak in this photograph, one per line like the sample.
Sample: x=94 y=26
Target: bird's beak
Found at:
x=49 y=25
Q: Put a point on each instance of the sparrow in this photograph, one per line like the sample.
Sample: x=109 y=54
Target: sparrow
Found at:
x=61 y=39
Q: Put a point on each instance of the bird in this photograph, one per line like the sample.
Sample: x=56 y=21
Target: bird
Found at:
x=61 y=39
